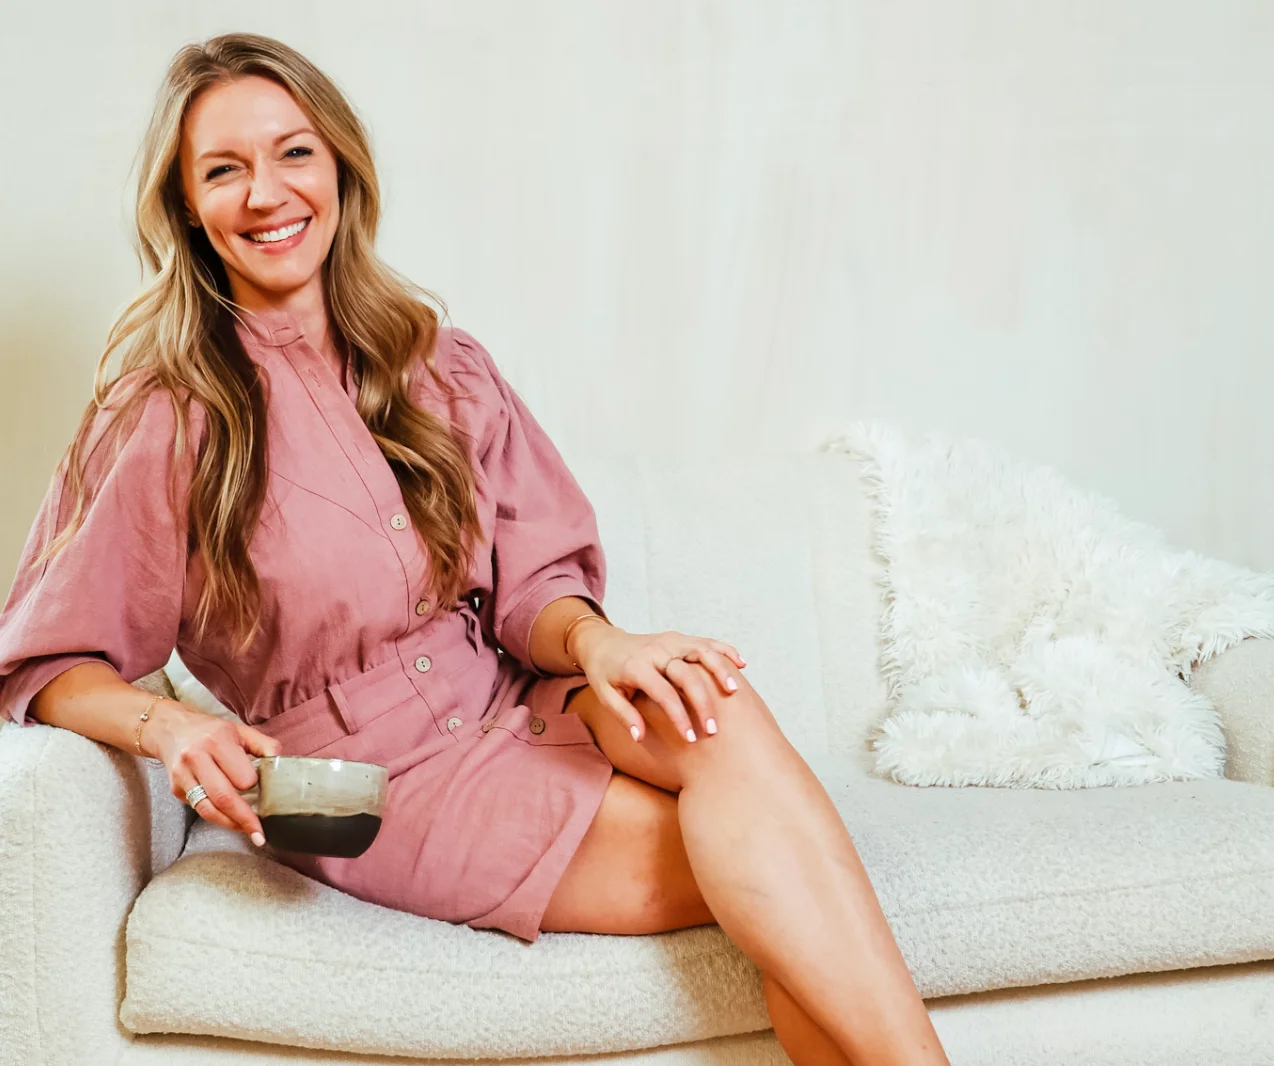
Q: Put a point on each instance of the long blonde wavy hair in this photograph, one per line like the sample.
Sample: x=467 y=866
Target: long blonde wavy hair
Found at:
x=181 y=329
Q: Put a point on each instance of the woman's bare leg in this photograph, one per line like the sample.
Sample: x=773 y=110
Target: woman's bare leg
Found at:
x=631 y=875
x=774 y=865
x=804 y=1040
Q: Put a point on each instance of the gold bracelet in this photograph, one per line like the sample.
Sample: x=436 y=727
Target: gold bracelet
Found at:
x=566 y=633
x=145 y=717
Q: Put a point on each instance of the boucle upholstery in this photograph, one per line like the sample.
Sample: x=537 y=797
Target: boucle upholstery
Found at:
x=770 y=554
x=1073 y=884
x=1217 y=1016
x=82 y=829
x=287 y=960
x=1241 y=685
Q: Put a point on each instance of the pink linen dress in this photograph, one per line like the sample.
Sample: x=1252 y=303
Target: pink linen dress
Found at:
x=492 y=787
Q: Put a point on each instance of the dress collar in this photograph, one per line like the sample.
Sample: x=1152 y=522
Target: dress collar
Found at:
x=272 y=326
x=260 y=331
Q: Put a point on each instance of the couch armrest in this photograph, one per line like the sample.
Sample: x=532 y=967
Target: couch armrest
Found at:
x=83 y=827
x=1240 y=683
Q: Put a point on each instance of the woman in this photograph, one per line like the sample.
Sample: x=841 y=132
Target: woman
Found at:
x=357 y=537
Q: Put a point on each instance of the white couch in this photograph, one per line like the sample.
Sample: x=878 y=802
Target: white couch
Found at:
x=1104 y=926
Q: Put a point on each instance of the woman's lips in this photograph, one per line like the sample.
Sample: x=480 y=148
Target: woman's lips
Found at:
x=279 y=247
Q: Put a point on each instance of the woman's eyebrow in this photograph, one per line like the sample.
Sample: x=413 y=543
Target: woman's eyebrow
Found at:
x=229 y=152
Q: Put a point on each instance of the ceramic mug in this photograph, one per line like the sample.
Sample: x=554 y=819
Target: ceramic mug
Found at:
x=318 y=806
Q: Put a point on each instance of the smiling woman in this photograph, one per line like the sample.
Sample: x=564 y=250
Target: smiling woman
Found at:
x=262 y=185
x=369 y=549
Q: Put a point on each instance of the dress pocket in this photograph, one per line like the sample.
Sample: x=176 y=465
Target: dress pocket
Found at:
x=558 y=729
x=540 y=720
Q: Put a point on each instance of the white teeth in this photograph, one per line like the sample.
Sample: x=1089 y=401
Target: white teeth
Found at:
x=270 y=236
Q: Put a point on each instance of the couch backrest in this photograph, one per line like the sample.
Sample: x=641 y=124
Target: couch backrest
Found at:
x=772 y=555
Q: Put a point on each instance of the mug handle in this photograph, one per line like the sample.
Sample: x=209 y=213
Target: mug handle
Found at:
x=253 y=794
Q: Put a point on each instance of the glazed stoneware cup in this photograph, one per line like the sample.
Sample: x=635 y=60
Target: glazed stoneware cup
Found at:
x=318 y=806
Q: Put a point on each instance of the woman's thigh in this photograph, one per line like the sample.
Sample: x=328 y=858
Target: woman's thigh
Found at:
x=630 y=873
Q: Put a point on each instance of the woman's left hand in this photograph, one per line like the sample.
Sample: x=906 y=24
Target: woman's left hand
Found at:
x=619 y=664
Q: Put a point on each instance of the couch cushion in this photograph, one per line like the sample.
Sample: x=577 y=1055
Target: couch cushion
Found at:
x=228 y=943
x=1213 y=1016
x=991 y=888
x=984 y=888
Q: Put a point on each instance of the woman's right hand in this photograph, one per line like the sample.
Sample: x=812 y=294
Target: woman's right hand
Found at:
x=202 y=749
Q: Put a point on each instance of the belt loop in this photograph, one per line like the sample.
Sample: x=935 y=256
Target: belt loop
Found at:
x=342 y=708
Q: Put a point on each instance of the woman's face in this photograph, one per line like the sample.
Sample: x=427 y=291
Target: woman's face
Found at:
x=262 y=183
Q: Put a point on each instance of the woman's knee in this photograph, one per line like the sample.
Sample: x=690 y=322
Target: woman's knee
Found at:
x=647 y=760
x=725 y=723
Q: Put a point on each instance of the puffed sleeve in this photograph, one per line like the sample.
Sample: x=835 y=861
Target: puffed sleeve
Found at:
x=544 y=539
x=113 y=593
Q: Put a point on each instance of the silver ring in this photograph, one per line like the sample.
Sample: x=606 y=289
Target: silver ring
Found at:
x=195 y=794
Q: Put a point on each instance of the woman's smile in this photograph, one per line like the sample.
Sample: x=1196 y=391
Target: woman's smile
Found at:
x=279 y=239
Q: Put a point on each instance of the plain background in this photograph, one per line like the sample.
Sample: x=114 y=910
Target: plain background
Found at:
x=734 y=226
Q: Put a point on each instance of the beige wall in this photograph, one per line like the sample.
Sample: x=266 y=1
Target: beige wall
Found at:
x=740 y=224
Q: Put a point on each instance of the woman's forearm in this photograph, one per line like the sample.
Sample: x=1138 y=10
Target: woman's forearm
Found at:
x=548 y=646
x=93 y=700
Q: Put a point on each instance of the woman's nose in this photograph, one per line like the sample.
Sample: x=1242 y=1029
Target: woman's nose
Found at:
x=265 y=190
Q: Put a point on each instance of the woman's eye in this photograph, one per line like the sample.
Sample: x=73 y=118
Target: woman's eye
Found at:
x=216 y=172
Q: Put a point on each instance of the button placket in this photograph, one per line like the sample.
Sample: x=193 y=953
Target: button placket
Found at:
x=419 y=648
x=385 y=497
x=350 y=431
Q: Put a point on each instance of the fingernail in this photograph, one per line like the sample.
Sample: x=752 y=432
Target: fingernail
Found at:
x=731 y=684
x=742 y=662
x=258 y=840
x=690 y=735
x=710 y=725
x=635 y=732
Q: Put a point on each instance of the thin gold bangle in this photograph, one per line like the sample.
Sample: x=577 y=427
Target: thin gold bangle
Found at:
x=142 y=720
x=566 y=633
